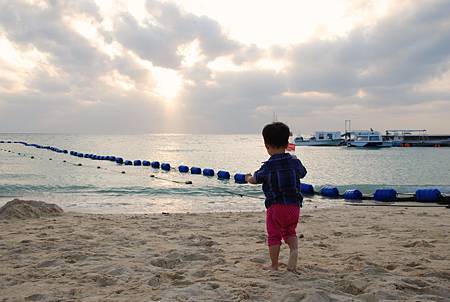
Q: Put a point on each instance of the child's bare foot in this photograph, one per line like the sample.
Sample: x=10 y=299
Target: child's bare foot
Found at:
x=294 y=271
x=270 y=268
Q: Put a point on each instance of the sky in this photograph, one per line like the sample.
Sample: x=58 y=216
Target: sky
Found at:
x=210 y=66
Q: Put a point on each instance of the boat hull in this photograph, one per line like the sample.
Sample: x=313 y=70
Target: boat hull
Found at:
x=324 y=143
x=369 y=144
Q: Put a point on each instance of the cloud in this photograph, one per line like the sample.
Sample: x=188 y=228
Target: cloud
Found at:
x=66 y=70
x=165 y=29
x=401 y=50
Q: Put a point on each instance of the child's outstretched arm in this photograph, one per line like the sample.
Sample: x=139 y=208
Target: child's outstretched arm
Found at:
x=250 y=179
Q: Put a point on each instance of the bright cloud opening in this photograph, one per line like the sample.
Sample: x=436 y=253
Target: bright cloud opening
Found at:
x=168 y=83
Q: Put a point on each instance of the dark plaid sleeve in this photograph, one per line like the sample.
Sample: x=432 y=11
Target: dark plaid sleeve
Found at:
x=301 y=169
x=260 y=175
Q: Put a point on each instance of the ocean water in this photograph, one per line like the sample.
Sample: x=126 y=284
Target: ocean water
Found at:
x=106 y=190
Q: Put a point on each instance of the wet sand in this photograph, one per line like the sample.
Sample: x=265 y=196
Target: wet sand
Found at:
x=346 y=254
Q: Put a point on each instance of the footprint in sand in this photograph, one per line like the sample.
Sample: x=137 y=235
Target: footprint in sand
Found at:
x=48 y=263
x=416 y=282
x=413 y=264
x=258 y=260
x=165 y=263
x=199 y=240
x=352 y=287
x=200 y=274
x=418 y=243
x=391 y=267
x=194 y=257
x=437 y=257
x=100 y=279
x=306 y=296
x=35 y=297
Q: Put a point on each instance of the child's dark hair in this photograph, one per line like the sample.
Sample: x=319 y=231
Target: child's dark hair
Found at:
x=276 y=135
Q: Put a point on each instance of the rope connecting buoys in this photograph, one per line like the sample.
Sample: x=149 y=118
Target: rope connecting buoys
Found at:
x=329 y=191
x=385 y=195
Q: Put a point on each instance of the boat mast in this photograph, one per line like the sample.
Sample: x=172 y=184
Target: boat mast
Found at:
x=275 y=117
x=348 y=129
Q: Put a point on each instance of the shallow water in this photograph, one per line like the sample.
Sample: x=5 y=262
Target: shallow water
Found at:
x=106 y=190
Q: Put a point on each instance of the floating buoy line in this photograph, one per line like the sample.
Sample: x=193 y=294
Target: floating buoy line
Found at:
x=386 y=195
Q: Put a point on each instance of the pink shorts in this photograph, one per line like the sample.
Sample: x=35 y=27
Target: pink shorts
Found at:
x=281 y=221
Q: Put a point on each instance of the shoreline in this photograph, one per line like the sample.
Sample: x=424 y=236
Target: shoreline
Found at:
x=359 y=253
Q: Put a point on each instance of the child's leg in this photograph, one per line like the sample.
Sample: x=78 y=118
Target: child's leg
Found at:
x=293 y=253
x=273 y=237
x=290 y=235
x=274 y=252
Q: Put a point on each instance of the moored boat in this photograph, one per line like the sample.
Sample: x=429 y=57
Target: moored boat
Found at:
x=416 y=138
x=321 y=138
x=366 y=139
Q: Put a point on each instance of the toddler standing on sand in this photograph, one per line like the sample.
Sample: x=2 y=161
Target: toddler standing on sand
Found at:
x=280 y=176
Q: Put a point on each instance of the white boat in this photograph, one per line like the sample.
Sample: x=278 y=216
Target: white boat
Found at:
x=366 y=139
x=320 y=138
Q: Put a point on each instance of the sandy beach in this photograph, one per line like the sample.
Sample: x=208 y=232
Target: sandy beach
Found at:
x=346 y=254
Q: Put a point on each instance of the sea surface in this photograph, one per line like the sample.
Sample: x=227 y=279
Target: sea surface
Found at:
x=90 y=189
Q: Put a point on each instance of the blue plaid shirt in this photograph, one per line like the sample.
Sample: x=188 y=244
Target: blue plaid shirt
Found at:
x=280 y=176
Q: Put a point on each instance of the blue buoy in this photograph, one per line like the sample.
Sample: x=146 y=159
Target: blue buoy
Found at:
x=385 y=195
x=165 y=166
x=86 y=155
x=137 y=162
x=223 y=175
x=72 y=153
x=428 y=195
x=353 y=194
x=65 y=151
x=155 y=164
x=128 y=163
x=329 y=191
x=112 y=158
x=119 y=160
x=183 y=169
x=80 y=154
x=239 y=178
x=306 y=189
x=196 y=170
x=145 y=163
x=208 y=172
